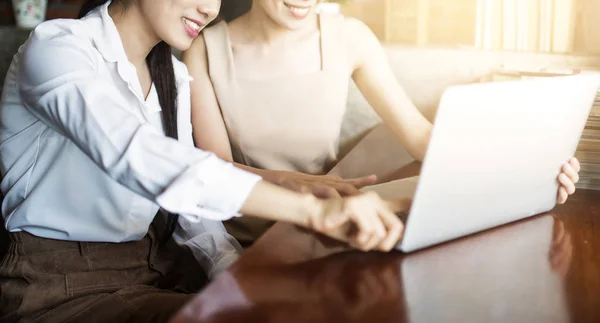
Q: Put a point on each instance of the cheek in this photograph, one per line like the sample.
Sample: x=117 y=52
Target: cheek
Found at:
x=165 y=26
x=154 y=9
x=280 y=13
x=159 y=18
x=272 y=7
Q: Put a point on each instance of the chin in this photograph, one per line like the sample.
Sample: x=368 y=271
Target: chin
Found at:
x=180 y=44
x=294 y=25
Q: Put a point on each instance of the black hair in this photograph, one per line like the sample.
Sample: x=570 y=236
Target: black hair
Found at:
x=232 y=9
x=160 y=63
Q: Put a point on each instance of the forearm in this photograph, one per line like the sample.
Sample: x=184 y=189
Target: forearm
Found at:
x=273 y=176
x=398 y=112
x=271 y=202
x=415 y=141
x=413 y=130
x=375 y=79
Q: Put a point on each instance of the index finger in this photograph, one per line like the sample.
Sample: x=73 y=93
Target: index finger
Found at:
x=575 y=163
x=323 y=191
x=362 y=181
x=394 y=226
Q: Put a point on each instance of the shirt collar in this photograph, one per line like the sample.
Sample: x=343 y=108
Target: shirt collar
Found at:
x=105 y=35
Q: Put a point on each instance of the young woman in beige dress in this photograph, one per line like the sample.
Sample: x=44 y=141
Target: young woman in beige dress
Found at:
x=270 y=89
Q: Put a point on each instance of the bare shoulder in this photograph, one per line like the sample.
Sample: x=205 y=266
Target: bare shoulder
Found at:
x=353 y=25
x=206 y=40
x=357 y=31
x=196 y=51
x=360 y=40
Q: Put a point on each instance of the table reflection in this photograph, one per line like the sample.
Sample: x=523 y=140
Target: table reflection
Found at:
x=516 y=271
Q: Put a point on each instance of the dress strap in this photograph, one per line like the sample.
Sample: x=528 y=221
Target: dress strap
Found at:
x=333 y=44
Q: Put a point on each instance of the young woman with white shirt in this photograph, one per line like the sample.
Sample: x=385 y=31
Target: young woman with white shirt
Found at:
x=95 y=139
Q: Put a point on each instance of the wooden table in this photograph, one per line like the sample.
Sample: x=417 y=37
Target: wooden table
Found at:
x=542 y=269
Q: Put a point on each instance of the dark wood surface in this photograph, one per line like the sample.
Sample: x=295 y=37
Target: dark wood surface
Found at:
x=542 y=269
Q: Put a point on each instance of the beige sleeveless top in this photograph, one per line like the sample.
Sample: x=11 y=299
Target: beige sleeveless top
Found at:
x=271 y=123
x=284 y=123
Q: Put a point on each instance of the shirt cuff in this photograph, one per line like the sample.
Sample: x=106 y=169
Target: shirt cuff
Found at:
x=211 y=189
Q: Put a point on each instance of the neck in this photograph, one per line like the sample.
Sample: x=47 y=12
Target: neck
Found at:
x=262 y=28
x=137 y=37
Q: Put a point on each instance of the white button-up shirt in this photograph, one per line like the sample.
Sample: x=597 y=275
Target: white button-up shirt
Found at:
x=83 y=154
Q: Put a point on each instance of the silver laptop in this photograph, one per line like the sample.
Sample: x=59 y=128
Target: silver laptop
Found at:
x=494 y=157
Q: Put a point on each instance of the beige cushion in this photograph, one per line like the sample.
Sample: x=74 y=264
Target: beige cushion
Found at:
x=426 y=72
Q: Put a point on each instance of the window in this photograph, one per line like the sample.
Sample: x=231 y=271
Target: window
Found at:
x=554 y=26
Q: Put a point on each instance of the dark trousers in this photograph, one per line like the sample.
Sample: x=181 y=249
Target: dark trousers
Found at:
x=45 y=280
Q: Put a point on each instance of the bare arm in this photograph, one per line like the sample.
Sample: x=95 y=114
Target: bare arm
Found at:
x=373 y=76
x=376 y=81
x=210 y=133
x=209 y=128
x=377 y=225
x=374 y=218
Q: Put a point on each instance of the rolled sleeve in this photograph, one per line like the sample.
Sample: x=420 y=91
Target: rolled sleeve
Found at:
x=224 y=190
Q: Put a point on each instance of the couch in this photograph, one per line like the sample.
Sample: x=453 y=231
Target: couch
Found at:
x=424 y=73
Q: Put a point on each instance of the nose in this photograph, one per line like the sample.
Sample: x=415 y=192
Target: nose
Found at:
x=209 y=8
